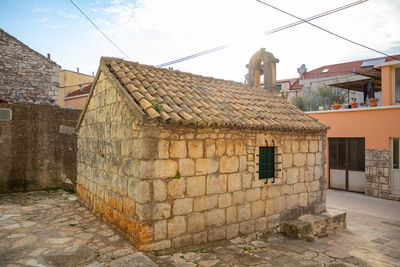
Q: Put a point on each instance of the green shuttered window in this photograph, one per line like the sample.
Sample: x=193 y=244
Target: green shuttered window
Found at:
x=266 y=166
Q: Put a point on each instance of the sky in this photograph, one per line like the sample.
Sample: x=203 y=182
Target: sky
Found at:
x=157 y=31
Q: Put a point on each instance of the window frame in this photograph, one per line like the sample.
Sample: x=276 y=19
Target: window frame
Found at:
x=267 y=169
x=10 y=112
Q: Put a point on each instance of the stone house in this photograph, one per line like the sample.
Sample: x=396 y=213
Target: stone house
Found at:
x=26 y=76
x=172 y=159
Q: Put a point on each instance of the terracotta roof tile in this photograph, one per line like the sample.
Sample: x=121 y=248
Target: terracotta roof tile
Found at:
x=85 y=90
x=296 y=86
x=197 y=100
x=342 y=68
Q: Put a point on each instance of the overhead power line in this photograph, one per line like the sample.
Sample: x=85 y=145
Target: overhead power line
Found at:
x=266 y=33
x=114 y=44
x=325 y=30
x=316 y=16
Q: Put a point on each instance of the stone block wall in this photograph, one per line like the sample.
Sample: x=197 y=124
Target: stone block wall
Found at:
x=377 y=173
x=171 y=186
x=34 y=154
x=25 y=75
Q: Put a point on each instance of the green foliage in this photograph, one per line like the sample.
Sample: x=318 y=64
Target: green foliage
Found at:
x=177 y=175
x=323 y=96
x=157 y=106
x=301 y=101
x=335 y=95
x=71 y=191
x=48 y=189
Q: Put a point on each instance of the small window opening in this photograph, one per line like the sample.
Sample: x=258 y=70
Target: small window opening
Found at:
x=5 y=114
x=267 y=162
x=324 y=70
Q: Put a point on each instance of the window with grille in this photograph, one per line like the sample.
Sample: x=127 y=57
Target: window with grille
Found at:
x=266 y=163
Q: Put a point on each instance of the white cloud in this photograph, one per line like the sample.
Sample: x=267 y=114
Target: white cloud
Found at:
x=156 y=31
x=67 y=15
x=42 y=19
x=41 y=10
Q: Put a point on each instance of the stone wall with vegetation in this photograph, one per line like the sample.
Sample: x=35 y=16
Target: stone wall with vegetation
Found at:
x=25 y=75
x=172 y=186
x=377 y=173
x=34 y=154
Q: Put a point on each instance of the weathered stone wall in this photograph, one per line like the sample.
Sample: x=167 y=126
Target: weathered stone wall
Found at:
x=34 y=154
x=169 y=186
x=25 y=75
x=377 y=172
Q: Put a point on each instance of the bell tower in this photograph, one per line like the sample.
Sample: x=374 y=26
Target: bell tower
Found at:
x=263 y=63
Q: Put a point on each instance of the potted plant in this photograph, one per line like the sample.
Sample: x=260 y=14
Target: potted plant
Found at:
x=353 y=103
x=372 y=102
x=336 y=106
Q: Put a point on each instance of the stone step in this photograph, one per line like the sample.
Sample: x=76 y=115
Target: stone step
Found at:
x=313 y=226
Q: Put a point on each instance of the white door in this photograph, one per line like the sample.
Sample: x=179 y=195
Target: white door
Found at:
x=347 y=164
x=396 y=166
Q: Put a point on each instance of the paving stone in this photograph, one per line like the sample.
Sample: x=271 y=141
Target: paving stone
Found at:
x=58 y=241
x=27 y=240
x=106 y=232
x=209 y=263
x=322 y=258
x=37 y=252
x=122 y=252
x=10 y=227
x=137 y=259
x=12 y=236
x=95 y=264
x=71 y=249
x=114 y=238
x=380 y=240
x=67 y=232
x=31 y=262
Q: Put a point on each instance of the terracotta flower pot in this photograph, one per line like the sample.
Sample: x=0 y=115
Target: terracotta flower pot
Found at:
x=336 y=106
x=354 y=105
x=373 y=102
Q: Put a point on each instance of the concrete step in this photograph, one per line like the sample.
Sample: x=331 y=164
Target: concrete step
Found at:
x=313 y=226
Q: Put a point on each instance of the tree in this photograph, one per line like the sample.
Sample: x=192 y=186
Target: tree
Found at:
x=324 y=96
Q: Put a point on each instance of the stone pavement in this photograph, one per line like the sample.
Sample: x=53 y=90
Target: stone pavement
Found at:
x=53 y=229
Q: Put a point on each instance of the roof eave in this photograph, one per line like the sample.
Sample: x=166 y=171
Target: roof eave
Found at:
x=124 y=94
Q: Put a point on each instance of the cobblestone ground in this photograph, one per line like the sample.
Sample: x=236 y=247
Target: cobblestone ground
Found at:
x=53 y=229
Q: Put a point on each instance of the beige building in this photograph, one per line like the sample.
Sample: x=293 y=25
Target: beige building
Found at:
x=71 y=81
x=172 y=159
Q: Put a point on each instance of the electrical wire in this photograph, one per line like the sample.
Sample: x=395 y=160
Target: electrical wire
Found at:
x=316 y=16
x=114 y=44
x=66 y=86
x=325 y=30
x=266 y=33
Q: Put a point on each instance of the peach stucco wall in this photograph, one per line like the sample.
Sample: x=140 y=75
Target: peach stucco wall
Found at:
x=76 y=103
x=387 y=80
x=377 y=125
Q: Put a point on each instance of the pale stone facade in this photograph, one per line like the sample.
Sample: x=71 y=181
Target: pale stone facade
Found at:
x=167 y=186
x=25 y=75
x=377 y=172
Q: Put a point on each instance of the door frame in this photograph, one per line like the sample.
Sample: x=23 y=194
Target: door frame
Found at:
x=346 y=164
x=391 y=165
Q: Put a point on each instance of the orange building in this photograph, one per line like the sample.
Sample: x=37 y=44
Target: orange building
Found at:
x=71 y=81
x=77 y=99
x=363 y=143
